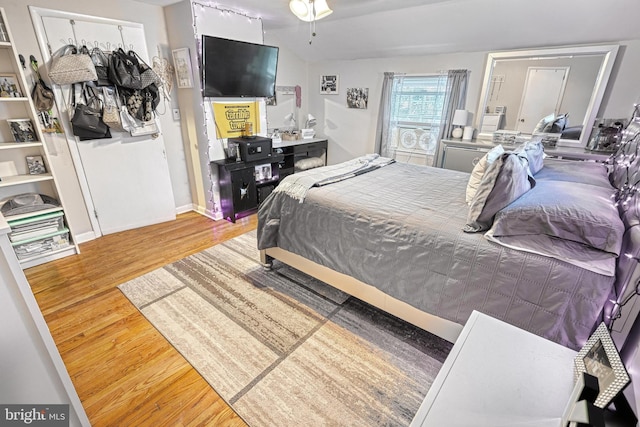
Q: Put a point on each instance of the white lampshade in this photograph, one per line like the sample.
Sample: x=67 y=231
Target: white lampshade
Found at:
x=304 y=9
x=460 y=118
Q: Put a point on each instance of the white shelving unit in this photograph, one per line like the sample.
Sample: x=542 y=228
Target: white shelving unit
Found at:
x=15 y=178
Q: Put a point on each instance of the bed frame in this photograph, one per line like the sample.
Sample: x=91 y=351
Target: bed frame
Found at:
x=436 y=325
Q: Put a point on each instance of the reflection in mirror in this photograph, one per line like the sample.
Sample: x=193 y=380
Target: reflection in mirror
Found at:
x=530 y=91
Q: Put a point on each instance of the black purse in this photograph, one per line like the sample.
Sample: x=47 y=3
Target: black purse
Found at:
x=87 y=120
x=101 y=62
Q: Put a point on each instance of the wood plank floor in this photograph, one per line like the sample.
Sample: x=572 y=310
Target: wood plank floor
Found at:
x=124 y=371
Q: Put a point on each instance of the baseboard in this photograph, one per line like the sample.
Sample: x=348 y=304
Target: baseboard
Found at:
x=85 y=237
x=186 y=208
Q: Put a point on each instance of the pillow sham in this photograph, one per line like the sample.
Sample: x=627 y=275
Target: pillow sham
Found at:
x=479 y=169
x=576 y=212
x=505 y=180
x=534 y=152
x=591 y=173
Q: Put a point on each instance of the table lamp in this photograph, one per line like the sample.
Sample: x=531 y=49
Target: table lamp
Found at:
x=460 y=118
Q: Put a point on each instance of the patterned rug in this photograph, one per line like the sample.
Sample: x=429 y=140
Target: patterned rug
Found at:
x=285 y=349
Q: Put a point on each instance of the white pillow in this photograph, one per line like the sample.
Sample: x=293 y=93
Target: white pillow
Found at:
x=478 y=171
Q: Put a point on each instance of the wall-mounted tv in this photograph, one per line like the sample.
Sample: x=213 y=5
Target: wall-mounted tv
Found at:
x=233 y=68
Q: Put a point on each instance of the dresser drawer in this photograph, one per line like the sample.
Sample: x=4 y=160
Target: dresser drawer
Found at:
x=462 y=159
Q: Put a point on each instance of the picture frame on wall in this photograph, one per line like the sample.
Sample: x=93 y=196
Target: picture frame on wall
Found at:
x=329 y=84
x=9 y=87
x=182 y=66
x=358 y=97
x=600 y=358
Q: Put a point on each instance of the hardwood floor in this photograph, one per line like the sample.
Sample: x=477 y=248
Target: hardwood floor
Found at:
x=124 y=371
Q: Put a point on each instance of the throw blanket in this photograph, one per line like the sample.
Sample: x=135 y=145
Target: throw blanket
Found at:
x=297 y=185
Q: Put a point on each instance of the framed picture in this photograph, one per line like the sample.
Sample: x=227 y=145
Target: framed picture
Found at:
x=599 y=357
x=182 y=65
x=263 y=172
x=9 y=87
x=271 y=100
x=357 y=97
x=35 y=164
x=22 y=130
x=329 y=85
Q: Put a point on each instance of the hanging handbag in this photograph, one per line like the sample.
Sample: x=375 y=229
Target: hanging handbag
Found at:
x=129 y=71
x=111 y=109
x=42 y=95
x=69 y=66
x=142 y=103
x=138 y=127
x=101 y=62
x=87 y=120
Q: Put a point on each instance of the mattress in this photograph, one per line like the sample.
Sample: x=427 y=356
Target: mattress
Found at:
x=399 y=228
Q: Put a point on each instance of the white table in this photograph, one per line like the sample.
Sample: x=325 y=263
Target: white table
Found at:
x=499 y=375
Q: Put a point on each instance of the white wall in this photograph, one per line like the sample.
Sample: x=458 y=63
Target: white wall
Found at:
x=152 y=18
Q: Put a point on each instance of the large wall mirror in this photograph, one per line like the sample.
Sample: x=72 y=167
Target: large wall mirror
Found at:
x=525 y=86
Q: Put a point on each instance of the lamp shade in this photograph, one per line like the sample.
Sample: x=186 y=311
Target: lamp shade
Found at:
x=460 y=118
x=304 y=9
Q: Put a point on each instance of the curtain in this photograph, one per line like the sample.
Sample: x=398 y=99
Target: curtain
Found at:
x=384 y=126
x=456 y=98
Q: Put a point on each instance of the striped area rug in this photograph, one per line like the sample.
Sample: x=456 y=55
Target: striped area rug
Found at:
x=284 y=349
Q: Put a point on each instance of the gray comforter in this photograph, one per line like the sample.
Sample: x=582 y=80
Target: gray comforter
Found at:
x=399 y=228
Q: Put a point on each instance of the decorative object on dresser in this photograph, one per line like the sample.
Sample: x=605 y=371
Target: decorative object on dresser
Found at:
x=308 y=132
x=460 y=120
x=599 y=357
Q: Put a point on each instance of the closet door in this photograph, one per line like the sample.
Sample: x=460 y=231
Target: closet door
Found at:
x=127 y=178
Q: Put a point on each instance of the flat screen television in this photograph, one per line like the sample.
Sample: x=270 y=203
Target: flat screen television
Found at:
x=233 y=68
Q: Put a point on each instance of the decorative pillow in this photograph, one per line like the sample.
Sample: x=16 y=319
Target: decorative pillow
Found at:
x=543 y=123
x=505 y=180
x=479 y=169
x=576 y=212
x=557 y=125
x=534 y=152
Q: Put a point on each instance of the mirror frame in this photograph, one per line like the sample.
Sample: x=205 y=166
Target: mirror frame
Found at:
x=609 y=53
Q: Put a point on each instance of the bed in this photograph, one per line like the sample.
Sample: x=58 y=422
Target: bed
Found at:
x=400 y=237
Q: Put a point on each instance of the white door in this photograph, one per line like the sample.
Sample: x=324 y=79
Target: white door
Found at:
x=127 y=179
x=542 y=95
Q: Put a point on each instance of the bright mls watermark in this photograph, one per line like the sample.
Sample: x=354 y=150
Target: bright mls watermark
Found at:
x=34 y=415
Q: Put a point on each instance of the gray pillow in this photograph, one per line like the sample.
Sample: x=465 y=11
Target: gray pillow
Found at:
x=576 y=212
x=591 y=173
x=505 y=180
x=534 y=152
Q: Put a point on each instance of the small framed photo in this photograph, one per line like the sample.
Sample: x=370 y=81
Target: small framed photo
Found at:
x=35 y=164
x=271 y=100
x=22 y=130
x=9 y=87
x=263 y=172
x=600 y=358
x=357 y=97
x=329 y=84
x=182 y=65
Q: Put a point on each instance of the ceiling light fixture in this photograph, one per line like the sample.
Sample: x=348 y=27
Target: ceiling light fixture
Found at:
x=310 y=11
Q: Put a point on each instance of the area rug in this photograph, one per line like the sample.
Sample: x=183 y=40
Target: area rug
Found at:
x=284 y=349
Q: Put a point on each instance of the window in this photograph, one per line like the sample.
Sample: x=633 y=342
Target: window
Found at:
x=415 y=117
